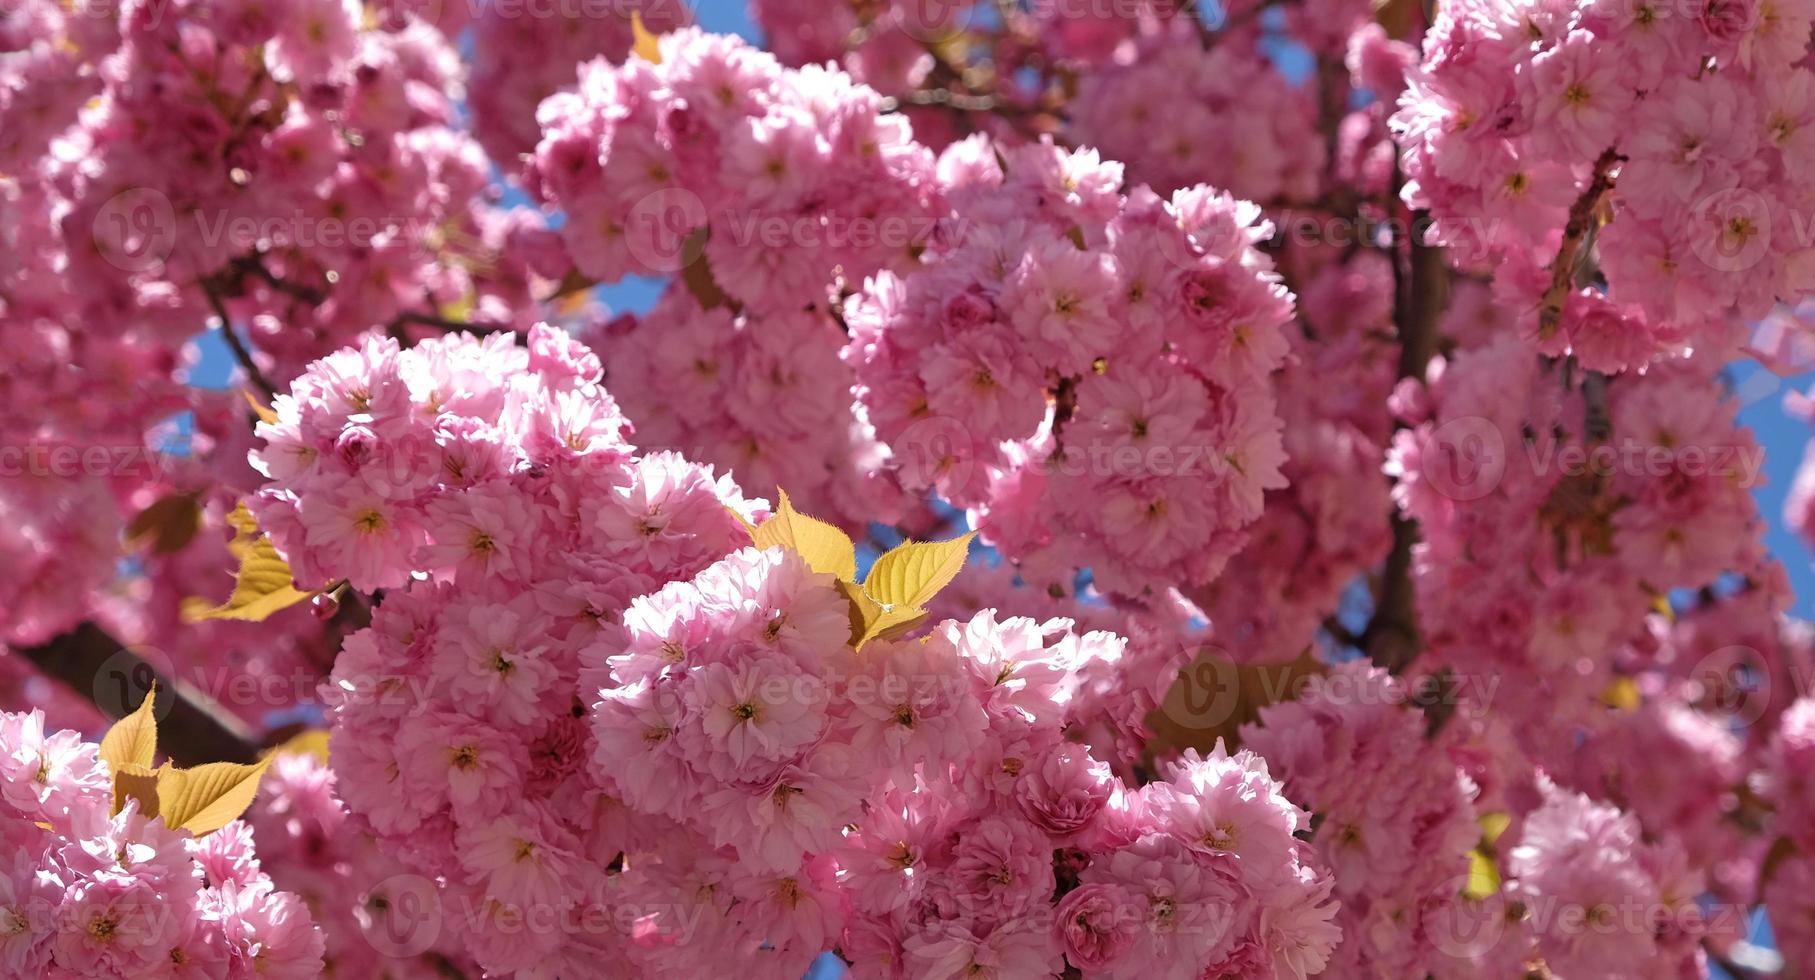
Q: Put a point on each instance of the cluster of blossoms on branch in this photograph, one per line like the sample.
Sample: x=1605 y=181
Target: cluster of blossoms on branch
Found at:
x=1672 y=135
x=93 y=888
x=574 y=735
x=1088 y=370
x=1370 y=581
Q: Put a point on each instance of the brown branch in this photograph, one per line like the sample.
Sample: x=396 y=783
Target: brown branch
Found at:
x=1575 y=232
x=479 y=328
x=95 y=665
x=240 y=353
x=1421 y=289
x=254 y=265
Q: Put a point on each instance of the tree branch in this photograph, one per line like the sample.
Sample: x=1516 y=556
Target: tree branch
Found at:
x=240 y=353
x=430 y=320
x=98 y=667
x=1421 y=289
x=1575 y=232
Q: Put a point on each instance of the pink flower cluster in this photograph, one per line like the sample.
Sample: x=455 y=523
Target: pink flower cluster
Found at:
x=489 y=491
x=87 y=892
x=761 y=395
x=917 y=806
x=595 y=764
x=883 y=45
x=782 y=182
x=368 y=906
x=1528 y=125
x=1330 y=523
x=524 y=52
x=1179 y=114
x=1601 y=901
x=1089 y=371
x=1551 y=518
x=1396 y=815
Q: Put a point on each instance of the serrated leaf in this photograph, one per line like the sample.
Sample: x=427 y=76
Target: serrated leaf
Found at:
x=263 y=587
x=644 y=44
x=1483 y=876
x=263 y=584
x=312 y=742
x=911 y=574
x=242 y=522
x=871 y=620
x=264 y=413
x=135 y=782
x=824 y=547
x=133 y=740
x=206 y=798
x=166 y=526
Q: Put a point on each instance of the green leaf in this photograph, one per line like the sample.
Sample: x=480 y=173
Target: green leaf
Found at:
x=824 y=547
x=911 y=574
x=133 y=740
x=206 y=798
x=263 y=585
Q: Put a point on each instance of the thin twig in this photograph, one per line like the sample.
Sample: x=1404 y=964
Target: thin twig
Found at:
x=254 y=265
x=240 y=353
x=1581 y=221
x=1421 y=287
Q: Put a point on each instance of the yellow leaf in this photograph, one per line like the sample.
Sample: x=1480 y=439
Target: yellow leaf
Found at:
x=206 y=798
x=1622 y=694
x=644 y=45
x=133 y=740
x=136 y=782
x=263 y=585
x=825 y=548
x=911 y=574
x=1493 y=825
x=312 y=742
x=870 y=619
x=264 y=414
x=242 y=522
x=167 y=525
x=1483 y=876
x=749 y=528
